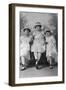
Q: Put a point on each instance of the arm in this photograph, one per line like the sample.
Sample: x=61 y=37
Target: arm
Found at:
x=45 y=40
x=20 y=40
x=31 y=40
x=53 y=40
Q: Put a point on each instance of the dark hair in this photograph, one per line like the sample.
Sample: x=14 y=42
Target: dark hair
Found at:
x=27 y=29
x=48 y=31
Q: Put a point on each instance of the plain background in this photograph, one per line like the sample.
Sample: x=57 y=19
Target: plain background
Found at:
x=4 y=45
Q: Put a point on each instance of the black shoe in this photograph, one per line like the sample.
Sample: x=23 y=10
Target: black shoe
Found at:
x=36 y=66
x=51 y=67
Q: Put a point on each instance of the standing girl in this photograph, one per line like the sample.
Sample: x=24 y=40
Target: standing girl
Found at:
x=38 y=46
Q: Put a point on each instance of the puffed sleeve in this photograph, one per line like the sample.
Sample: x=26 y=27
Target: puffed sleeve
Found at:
x=34 y=33
x=21 y=39
x=53 y=40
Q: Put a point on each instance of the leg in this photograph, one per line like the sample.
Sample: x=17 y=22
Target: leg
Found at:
x=49 y=59
x=37 y=57
x=23 y=63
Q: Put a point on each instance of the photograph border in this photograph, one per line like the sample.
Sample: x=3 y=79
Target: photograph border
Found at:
x=12 y=43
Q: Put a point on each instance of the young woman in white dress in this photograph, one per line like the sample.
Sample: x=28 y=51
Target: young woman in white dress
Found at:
x=25 y=47
x=38 y=46
x=51 y=52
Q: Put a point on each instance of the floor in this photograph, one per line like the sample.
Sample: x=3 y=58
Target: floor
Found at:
x=44 y=71
x=31 y=71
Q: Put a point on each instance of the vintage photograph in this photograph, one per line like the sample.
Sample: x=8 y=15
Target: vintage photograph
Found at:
x=38 y=44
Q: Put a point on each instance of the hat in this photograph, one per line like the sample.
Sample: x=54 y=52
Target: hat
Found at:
x=37 y=24
x=26 y=28
x=48 y=30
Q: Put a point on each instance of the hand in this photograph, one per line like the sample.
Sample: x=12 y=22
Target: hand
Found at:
x=31 y=42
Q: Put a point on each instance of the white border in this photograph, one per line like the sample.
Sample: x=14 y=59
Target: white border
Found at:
x=37 y=79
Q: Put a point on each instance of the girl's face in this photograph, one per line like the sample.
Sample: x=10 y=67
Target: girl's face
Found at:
x=26 y=32
x=48 y=34
x=38 y=28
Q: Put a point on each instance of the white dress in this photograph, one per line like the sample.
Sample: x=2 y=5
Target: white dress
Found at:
x=51 y=46
x=38 y=43
x=25 y=46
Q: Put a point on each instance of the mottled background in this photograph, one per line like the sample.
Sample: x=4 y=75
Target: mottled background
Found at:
x=47 y=20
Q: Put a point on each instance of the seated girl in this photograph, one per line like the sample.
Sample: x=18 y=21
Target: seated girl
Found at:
x=51 y=52
x=25 y=47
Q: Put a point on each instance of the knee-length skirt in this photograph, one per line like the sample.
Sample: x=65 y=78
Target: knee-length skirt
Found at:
x=24 y=50
x=38 y=46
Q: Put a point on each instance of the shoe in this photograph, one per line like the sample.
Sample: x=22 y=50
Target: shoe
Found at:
x=23 y=67
x=36 y=65
x=51 y=67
